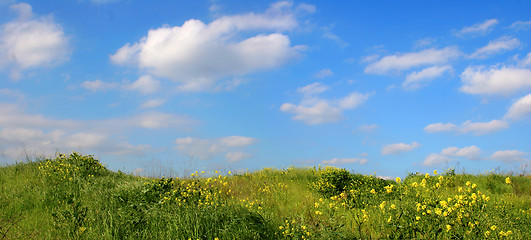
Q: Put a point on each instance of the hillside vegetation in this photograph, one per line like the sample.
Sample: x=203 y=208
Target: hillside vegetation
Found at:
x=75 y=197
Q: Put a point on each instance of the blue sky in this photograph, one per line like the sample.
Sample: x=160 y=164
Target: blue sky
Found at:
x=376 y=87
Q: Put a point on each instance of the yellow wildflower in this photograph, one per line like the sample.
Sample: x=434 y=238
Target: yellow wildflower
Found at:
x=448 y=228
x=508 y=180
x=398 y=180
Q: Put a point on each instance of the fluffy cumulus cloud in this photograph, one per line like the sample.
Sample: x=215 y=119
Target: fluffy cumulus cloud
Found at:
x=23 y=133
x=397 y=148
x=504 y=43
x=415 y=80
x=405 y=61
x=510 y=156
x=451 y=154
x=520 y=109
x=477 y=128
x=341 y=161
x=478 y=28
x=199 y=55
x=316 y=110
x=471 y=152
x=495 y=80
x=30 y=42
x=206 y=149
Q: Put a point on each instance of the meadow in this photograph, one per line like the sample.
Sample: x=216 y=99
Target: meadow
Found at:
x=75 y=197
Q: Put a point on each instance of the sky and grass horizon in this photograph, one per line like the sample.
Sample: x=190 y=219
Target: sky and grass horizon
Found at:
x=376 y=87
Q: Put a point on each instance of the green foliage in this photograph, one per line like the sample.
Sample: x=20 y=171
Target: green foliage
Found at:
x=75 y=197
x=332 y=181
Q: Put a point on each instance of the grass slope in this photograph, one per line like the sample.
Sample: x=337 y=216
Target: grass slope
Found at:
x=75 y=197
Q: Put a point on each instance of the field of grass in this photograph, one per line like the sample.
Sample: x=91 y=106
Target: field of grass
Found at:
x=75 y=197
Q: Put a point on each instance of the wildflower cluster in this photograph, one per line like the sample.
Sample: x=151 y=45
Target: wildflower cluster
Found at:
x=293 y=230
x=211 y=191
x=71 y=167
x=421 y=206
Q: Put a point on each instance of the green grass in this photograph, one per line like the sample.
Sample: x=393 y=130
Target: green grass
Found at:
x=75 y=197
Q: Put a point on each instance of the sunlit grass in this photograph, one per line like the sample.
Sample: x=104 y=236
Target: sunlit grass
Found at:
x=75 y=197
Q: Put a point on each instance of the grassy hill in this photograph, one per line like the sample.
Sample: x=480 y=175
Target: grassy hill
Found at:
x=75 y=197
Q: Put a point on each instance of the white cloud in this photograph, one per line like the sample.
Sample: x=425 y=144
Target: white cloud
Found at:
x=328 y=34
x=415 y=80
x=477 y=128
x=11 y=115
x=436 y=159
x=495 y=81
x=17 y=142
x=397 y=148
x=153 y=103
x=400 y=62
x=367 y=128
x=145 y=85
x=313 y=89
x=97 y=85
x=341 y=161
x=23 y=10
x=154 y=120
x=324 y=73
x=424 y=42
x=526 y=61
x=314 y=110
x=198 y=56
x=504 y=43
x=22 y=132
x=520 y=109
x=450 y=153
x=206 y=149
x=29 y=42
x=370 y=58
x=12 y=93
x=478 y=28
x=510 y=156
x=236 y=156
x=440 y=127
x=471 y=152
x=480 y=128
x=521 y=25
